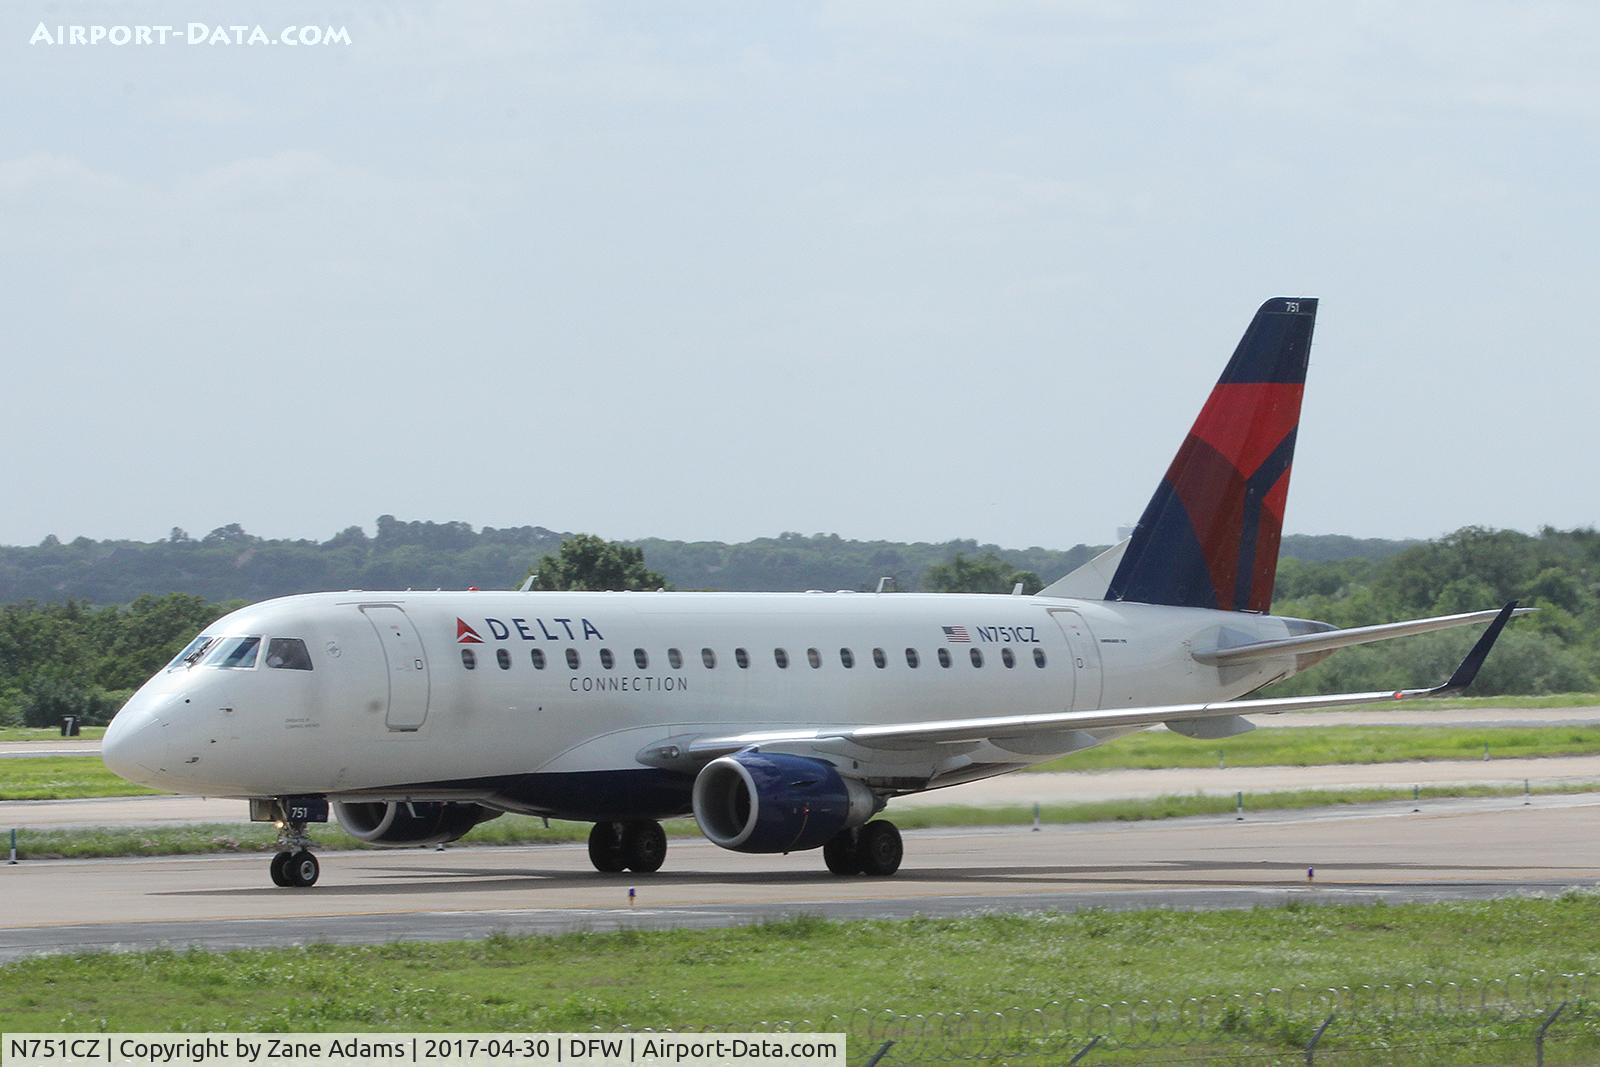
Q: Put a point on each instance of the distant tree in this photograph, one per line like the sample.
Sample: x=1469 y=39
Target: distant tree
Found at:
x=56 y=692
x=179 y=536
x=585 y=561
x=986 y=574
x=350 y=535
x=232 y=533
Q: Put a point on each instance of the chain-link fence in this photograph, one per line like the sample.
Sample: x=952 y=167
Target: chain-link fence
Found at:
x=1519 y=1019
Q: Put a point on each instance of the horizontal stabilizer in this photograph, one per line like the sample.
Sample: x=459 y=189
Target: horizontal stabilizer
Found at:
x=1329 y=640
x=1089 y=581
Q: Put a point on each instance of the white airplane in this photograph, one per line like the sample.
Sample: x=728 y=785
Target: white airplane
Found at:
x=783 y=721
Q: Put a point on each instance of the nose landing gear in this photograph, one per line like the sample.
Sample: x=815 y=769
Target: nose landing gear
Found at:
x=294 y=867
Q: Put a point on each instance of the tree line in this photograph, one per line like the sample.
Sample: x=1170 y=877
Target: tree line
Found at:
x=73 y=657
x=230 y=563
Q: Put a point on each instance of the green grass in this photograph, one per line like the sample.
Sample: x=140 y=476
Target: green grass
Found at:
x=62 y=778
x=29 y=733
x=1548 y=700
x=807 y=971
x=1319 y=745
x=524 y=830
x=261 y=837
x=68 y=777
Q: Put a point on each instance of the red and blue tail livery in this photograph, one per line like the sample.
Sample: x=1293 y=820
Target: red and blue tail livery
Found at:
x=1209 y=536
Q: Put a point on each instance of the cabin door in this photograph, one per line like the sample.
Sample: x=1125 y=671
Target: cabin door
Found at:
x=1085 y=652
x=408 y=667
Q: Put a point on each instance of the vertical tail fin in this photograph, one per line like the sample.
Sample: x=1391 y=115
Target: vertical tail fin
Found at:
x=1209 y=536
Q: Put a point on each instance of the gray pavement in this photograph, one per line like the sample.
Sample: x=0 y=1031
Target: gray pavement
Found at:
x=1451 y=850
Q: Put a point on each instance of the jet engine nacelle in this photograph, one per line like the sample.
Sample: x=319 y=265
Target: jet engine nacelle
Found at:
x=756 y=802
x=404 y=824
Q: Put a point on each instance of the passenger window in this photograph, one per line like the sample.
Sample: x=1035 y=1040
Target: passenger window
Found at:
x=879 y=660
x=675 y=658
x=538 y=659
x=742 y=658
x=502 y=656
x=813 y=657
x=191 y=652
x=781 y=658
x=572 y=658
x=944 y=657
x=288 y=654
x=977 y=657
x=234 y=654
x=607 y=660
x=641 y=659
x=1007 y=658
x=847 y=657
x=709 y=658
x=1038 y=657
x=469 y=659
x=912 y=659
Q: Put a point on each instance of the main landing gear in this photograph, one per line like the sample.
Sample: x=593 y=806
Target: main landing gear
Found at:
x=294 y=867
x=638 y=846
x=873 y=849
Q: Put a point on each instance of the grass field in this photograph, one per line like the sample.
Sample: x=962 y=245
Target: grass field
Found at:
x=28 y=733
x=69 y=777
x=1319 y=745
x=523 y=830
x=62 y=778
x=1548 y=700
x=806 y=970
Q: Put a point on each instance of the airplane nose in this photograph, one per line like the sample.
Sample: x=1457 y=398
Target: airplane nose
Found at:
x=134 y=743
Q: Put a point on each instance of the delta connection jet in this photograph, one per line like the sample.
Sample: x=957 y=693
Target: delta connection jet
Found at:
x=782 y=721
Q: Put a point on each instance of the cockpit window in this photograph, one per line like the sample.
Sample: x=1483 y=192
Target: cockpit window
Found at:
x=191 y=652
x=288 y=654
x=233 y=653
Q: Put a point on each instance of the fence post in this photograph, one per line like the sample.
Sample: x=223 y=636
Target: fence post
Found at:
x=1238 y=806
x=1085 y=1050
x=1311 y=1049
x=880 y=1054
x=1538 y=1039
x=13 y=858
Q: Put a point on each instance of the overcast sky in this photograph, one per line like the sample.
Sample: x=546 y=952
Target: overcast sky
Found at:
x=714 y=271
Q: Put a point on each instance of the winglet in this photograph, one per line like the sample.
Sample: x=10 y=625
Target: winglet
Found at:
x=1468 y=670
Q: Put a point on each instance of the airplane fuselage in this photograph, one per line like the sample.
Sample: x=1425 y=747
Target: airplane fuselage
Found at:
x=548 y=702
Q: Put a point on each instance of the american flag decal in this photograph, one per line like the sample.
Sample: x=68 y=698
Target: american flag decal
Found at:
x=957 y=635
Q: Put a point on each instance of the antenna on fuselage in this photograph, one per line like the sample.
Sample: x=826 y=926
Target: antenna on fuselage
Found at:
x=527 y=583
x=1016 y=590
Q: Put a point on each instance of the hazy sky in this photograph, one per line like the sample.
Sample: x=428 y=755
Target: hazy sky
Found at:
x=713 y=271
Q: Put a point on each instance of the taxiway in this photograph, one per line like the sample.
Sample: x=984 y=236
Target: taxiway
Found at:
x=1450 y=850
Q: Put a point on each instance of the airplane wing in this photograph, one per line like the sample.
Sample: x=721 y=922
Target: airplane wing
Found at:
x=1328 y=640
x=1033 y=734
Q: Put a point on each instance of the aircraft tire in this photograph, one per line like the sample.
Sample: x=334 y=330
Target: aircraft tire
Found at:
x=301 y=870
x=280 y=876
x=879 y=848
x=644 y=846
x=605 y=848
x=841 y=853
